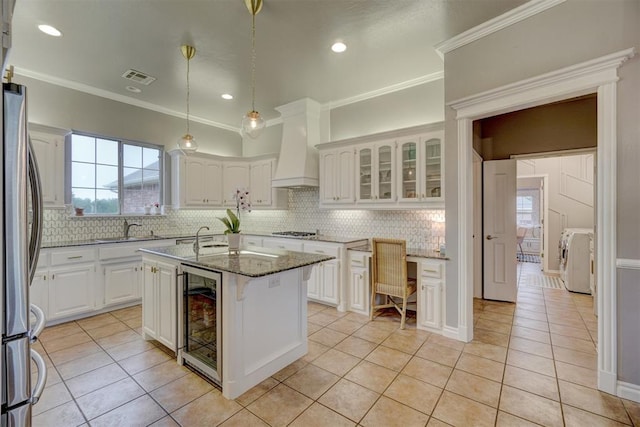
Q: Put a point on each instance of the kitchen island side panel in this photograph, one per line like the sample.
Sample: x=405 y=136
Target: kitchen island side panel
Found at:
x=264 y=327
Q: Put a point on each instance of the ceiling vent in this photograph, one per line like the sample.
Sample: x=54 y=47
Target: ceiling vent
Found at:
x=138 y=77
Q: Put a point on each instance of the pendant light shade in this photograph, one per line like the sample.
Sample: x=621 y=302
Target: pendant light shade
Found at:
x=188 y=143
x=252 y=123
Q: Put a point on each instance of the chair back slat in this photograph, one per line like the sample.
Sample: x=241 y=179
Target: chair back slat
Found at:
x=389 y=266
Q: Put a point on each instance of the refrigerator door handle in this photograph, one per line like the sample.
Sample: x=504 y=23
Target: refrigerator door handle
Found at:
x=37 y=206
x=40 y=322
x=42 y=377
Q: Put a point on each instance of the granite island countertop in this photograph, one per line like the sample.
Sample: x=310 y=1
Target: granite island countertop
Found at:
x=251 y=261
x=111 y=240
x=411 y=252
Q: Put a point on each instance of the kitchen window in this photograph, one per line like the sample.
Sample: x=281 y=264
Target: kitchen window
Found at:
x=524 y=210
x=109 y=176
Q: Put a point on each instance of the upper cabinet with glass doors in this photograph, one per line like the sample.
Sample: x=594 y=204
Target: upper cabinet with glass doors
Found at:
x=393 y=170
x=375 y=180
x=420 y=168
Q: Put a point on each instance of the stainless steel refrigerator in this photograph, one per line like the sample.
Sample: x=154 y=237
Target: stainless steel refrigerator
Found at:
x=21 y=219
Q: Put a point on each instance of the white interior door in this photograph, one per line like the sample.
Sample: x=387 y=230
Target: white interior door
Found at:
x=499 y=229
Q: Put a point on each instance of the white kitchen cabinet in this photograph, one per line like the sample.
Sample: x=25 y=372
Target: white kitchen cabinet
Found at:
x=420 y=168
x=196 y=181
x=252 y=240
x=376 y=166
x=262 y=193
x=324 y=283
x=122 y=282
x=48 y=144
x=430 y=291
x=325 y=280
x=235 y=175
x=71 y=290
x=38 y=291
x=286 y=244
x=400 y=169
x=359 y=284
x=159 y=301
x=337 y=176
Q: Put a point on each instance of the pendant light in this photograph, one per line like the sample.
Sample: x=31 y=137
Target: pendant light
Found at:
x=188 y=143
x=252 y=123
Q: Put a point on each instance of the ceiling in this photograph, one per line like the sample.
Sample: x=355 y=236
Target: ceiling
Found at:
x=389 y=42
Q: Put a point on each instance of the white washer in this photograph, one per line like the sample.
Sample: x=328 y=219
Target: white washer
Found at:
x=575 y=259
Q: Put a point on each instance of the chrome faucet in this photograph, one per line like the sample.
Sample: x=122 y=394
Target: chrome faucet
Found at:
x=127 y=226
x=196 y=244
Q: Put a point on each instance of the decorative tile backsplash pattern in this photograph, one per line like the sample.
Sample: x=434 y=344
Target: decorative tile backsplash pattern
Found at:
x=303 y=214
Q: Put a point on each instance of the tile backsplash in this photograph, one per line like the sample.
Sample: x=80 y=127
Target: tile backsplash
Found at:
x=415 y=226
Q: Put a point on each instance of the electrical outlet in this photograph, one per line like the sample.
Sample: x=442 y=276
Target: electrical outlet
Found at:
x=274 y=281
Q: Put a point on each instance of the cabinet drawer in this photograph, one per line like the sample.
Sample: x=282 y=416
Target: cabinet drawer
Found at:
x=252 y=241
x=431 y=269
x=127 y=250
x=315 y=248
x=75 y=256
x=289 y=245
x=359 y=259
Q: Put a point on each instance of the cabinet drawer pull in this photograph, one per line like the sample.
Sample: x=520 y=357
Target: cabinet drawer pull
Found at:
x=430 y=270
x=319 y=251
x=75 y=257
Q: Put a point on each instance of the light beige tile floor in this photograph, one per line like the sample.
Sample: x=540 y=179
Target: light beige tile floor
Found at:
x=531 y=363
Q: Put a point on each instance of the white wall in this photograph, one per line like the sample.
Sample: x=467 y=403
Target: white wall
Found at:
x=569 y=33
x=64 y=108
x=405 y=108
x=570 y=190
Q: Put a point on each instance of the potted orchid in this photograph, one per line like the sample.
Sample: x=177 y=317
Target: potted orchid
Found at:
x=232 y=220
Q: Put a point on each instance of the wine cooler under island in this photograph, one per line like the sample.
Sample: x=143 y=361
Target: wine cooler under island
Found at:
x=236 y=317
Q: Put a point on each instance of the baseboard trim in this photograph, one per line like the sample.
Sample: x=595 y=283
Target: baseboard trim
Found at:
x=629 y=391
x=450 y=332
x=607 y=382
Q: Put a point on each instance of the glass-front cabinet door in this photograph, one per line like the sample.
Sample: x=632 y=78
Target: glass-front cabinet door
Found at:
x=385 y=190
x=364 y=184
x=409 y=188
x=420 y=160
x=432 y=167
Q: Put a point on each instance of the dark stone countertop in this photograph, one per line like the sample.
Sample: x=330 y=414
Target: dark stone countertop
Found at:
x=251 y=261
x=411 y=252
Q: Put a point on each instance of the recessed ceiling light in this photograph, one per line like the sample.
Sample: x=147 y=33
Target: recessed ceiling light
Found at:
x=227 y=96
x=48 y=29
x=133 y=89
x=338 y=47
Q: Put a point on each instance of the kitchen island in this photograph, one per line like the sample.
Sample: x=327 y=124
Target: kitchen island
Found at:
x=243 y=315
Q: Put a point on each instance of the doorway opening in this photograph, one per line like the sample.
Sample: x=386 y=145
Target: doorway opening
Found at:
x=599 y=76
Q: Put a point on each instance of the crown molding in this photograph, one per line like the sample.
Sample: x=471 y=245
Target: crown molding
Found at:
x=511 y=17
x=271 y=122
x=438 y=75
x=119 y=98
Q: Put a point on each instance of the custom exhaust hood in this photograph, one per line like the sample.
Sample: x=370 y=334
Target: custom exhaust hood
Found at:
x=298 y=163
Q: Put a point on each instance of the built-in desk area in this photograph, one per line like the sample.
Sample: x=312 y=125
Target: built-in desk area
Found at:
x=428 y=267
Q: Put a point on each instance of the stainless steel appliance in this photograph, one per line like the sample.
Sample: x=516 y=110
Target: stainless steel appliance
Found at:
x=202 y=321
x=19 y=251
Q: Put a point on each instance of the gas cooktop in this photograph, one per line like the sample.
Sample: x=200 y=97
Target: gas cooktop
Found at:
x=294 y=233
